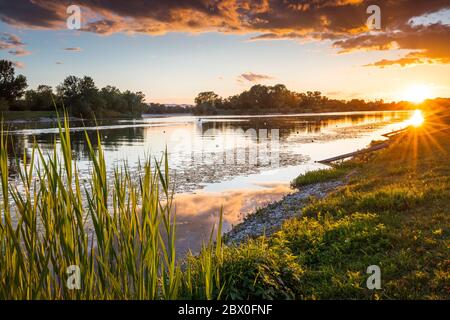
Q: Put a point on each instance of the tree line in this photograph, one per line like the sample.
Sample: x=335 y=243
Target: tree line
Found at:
x=158 y=108
x=82 y=98
x=260 y=99
x=79 y=96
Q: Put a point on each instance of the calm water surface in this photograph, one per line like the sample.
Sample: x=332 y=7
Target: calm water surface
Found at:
x=235 y=162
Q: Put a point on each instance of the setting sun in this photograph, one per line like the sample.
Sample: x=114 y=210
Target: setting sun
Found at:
x=232 y=150
x=417 y=119
x=417 y=93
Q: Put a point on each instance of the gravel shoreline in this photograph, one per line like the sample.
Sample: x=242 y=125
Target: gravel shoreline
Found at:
x=269 y=219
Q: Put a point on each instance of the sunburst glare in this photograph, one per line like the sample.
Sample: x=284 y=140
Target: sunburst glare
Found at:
x=417 y=93
x=417 y=119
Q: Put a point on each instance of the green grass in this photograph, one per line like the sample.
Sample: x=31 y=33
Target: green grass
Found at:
x=323 y=175
x=27 y=115
x=131 y=253
x=394 y=212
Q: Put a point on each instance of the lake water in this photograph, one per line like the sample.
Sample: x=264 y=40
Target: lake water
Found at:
x=237 y=163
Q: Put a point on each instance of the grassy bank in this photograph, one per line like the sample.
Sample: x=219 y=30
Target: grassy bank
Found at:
x=335 y=172
x=394 y=213
x=26 y=115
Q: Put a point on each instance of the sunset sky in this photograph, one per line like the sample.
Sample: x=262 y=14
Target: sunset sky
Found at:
x=172 y=50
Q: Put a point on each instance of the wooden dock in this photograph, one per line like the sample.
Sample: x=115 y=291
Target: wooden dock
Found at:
x=390 y=135
x=396 y=132
x=352 y=154
x=379 y=146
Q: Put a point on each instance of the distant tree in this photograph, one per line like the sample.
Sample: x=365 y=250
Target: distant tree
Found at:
x=311 y=101
x=87 y=86
x=157 y=108
x=82 y=97
x=69 y=89
x=40 y=99
x=207 y=98
x=356 y=104
x=207 y=103
x=113 y=99
x=278 y=99
x=11 y=87
x=135 y=102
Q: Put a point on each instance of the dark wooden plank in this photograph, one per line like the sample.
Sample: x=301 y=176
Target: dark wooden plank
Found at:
x=352 y=154
x=390 y=134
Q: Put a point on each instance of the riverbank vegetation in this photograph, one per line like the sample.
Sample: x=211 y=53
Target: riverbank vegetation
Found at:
x=261 y=99
x=116 y=233
x=79 y=96
x=158 y=108
x=317 y=176
x=28 y=115
x=82 y=98
x=393 y=212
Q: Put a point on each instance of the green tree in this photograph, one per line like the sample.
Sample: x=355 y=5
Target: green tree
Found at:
x=135 y=102
x=40 y=99
x=207 y=103
x=11 y=87
x=82 y=97
x=69 y=89
x=207 y=98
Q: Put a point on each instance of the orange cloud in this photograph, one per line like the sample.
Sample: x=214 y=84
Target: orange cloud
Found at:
x=20 y=52
x=9 y=40
x=18 y=64
x=234 y=204
x=253 y=77
x=341 y=21
x=15 y=45
x=428 y=44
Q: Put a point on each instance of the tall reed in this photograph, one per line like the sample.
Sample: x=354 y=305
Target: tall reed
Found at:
x=129 y=253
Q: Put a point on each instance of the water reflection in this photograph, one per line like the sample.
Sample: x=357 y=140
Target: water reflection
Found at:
x=185 y=135
x=208 y=149
x=198 y=213
x=199 y=150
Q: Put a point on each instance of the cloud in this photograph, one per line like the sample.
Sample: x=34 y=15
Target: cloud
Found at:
x=33 y=14
x=9 y=41
x=74 y=49
x=18 y=64
x=343 y=22
x=334 y=93
x=20 y=52
x=13 y=44
x=253 y=77
x=234 y=203
x=427 y=44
